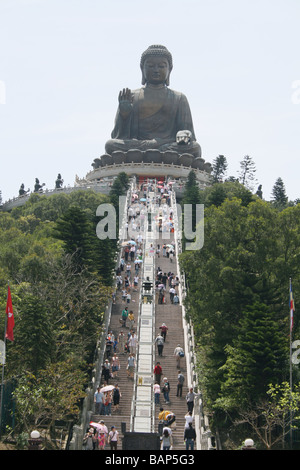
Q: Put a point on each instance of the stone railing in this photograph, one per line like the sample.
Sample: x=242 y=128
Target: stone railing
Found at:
x=100 y=187
x=150 y=169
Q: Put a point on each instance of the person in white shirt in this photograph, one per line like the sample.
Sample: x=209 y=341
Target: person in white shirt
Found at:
x=156 y=389
x=113 y=438
x=133 y=343
x=172 y=292
x=135 y=282
x=177 y=353
x=189 y=418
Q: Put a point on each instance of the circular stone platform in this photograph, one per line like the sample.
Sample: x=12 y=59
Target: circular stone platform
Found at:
x=151 y=164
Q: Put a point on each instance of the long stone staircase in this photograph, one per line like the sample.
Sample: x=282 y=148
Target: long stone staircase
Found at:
x=171 y=315
x=124 y=417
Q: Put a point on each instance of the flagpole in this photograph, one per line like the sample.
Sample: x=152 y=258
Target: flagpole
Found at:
x=291 y=372
x=3 y=365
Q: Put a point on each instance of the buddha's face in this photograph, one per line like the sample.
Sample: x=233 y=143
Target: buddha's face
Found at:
x=156 y=70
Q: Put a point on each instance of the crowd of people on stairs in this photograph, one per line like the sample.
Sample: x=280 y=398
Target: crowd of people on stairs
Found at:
x=125 y=342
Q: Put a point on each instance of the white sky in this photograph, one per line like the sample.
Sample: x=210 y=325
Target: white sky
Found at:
x=63 y=62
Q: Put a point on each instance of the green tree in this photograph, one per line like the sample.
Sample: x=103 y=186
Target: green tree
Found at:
x=34 y=335
x=247 y=172
x=237 y=266
x=217 y=195
x=219 y=168
x=50 y=208
x=219 y=192
x=124 y=179
x=278 y=411
x=60 y=286
x=75 y=230
x=279 y=196
x=256 y=358
x=119 y=188
x=54 y=394
x=14 y=245
x=250 y=251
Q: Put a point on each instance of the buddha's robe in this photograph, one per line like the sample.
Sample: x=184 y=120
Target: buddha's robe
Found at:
x=156 y=117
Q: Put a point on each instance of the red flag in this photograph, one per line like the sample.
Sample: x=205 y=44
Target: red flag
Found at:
x=10 y=318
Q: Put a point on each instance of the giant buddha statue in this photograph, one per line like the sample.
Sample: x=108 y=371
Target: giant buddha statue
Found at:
x=154 y=116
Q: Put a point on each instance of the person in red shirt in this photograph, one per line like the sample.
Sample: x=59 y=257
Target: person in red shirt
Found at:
x=157 y=372
x=164 y=330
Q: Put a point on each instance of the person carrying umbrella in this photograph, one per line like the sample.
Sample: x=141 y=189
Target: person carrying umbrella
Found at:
x=102 y=433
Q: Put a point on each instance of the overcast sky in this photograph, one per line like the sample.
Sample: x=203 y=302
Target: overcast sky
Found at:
x=63 y=62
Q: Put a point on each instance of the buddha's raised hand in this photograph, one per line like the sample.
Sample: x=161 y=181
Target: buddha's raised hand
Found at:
x=125 y=102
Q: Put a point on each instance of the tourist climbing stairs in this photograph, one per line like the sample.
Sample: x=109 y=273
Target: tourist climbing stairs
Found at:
x=128 y=417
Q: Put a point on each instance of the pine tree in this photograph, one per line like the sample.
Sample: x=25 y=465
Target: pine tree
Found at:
x=124 y=180
x=219 y=169
x=257 y=356
x=76 y=231
x=34 y=333
x=279 y=195
x=119 y=188
x=217 y=195
x=191 y=193
x=247 y=172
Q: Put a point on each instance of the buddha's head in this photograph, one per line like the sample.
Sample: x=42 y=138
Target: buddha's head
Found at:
x=156 y=65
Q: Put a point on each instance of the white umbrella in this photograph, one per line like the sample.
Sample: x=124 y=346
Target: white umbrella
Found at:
x=107 y=388
x=98 y=426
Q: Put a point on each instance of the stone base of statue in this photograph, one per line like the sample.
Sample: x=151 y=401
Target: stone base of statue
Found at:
x=151 y=164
